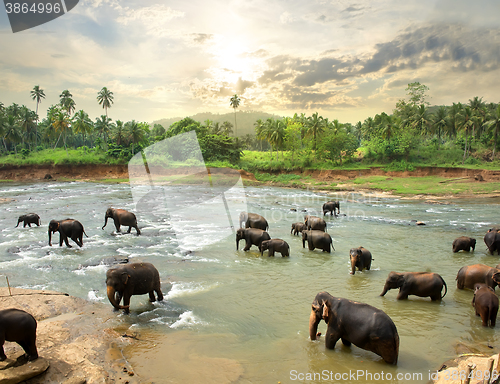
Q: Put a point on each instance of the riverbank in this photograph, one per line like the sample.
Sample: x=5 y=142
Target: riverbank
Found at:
x=78 y=338
x=421 y=183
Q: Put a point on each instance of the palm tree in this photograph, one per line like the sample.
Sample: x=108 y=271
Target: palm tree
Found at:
x=103 y=127
x=235 y=103
x=465 y=122
x=119 y=134
x=105 y=97
x=61 y=124
x=494 y=123
x=440 y=122
x=67 y=101
x=315 y=127
x=82 y=123
x=135 y=133
x=227 y=128
x=11 y=132
x=421 y=120
x=27 y=123
x=276 y=134
x=478 y=110
x=37 y=94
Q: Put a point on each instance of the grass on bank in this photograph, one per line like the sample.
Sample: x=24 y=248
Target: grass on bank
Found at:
x=59 y=156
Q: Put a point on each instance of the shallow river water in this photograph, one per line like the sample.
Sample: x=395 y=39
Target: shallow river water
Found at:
x=234 y=316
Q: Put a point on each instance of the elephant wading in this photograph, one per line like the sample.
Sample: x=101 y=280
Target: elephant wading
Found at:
x=126 y=280
x=275 y=245
x=361 y=258
x=485 y=302
x=332 y=207
x=30 y=218
x=67 y=228
x=313 y=222
x=19 y=326
x=464 y=243
x=121 y=217
x=297 y=227
x=253 y=220
x=420 y=284
x=252 y=236
x=361 y=324
x=317 y=239
x=469 y=275
x=492 y=240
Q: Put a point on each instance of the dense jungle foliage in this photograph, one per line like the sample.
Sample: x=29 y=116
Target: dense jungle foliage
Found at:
x=414 y=134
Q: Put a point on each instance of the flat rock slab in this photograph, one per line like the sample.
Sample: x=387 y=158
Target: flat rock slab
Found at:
x=17 y=374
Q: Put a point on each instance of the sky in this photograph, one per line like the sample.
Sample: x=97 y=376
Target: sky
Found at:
x=346 y=60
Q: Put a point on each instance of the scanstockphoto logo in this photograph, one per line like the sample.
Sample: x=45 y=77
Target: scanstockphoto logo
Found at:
x=169 y=180
x=26 y=14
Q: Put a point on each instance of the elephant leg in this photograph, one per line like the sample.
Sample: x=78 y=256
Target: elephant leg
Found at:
x=126 y=302
x=137 y=229
x=436 y=297
x=248 y=244
x=29 y=225
x=271 y=252
x=152 y=297
x=65 y=238
x=78 y=241
x=347 y=343
x=159 y=294
x=402 y=295
x=493 y=317
x=331 y=338
x=129 y=229
x=2 y=353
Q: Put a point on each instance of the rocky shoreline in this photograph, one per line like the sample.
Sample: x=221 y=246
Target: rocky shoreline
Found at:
x=77 y=338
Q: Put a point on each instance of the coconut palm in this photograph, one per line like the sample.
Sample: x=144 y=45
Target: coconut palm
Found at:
x=82 y=124
x=11 y=132
x=67 y=101
x=37 y=94
x=494 y=124
x=234 y=102
x=119 y=133
x=315 y=127
x=440 y=121
x=465 y=122
x=105 y=98
x=102 y=126
x=27 y=124
x=62 y=125
x=135 y=133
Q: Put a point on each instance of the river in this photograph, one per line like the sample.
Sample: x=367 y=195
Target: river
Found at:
x=234 y=316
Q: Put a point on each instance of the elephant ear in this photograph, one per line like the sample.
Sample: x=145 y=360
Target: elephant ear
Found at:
x=400 y=280
x=125 y=277
x=326 y=312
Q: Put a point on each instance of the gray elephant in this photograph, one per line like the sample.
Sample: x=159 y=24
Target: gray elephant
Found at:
x=317 y=239
x=18 y=326
x=297 y=228
x=420 y=284
x=313 y=222
x=30 y=218
x=121 y=217
x=361 y=324
x=332 y=207
x=252 y=236
x=485 y=302
x=361 y=258
x=469 y=275
x=275 y=245
x=126 y=280
x=492 y=240
x=253 y=220
x=67 y=228
x=464 y=243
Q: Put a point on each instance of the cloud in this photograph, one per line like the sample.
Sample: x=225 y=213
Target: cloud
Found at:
x=202 y=38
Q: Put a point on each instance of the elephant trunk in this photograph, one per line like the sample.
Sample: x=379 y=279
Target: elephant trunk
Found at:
x=18 y=221
x=50 y=238
x=111 y=297
x=313 y=325
x=237 y=243
x=386 y=289
x=105 y=221
x=353 y=266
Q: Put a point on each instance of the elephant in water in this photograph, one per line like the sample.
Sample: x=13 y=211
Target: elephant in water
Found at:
x=361 y=324
x=252 y=236
x=67 y=228
x=313 y=222
x=420 y=284
x=30 y=218
x=253 y=220
x=469 y=275
x=361 y=258
x=485 y=302
x=317 y=239
x=464 y=243
x=332 y=207
x=121 y=217
x=275 y=245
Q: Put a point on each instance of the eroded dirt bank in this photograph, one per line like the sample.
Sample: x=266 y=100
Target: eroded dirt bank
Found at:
x=99 y=172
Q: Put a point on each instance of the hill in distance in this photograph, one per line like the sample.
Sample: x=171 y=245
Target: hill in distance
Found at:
x=245 y=120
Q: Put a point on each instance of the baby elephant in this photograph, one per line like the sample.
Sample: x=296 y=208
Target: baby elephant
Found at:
x=464 y=243
x=19 y=326
x=486 y=304
x=298 y=227
x=420 y=284
x=275 y=245
x=360 y=258
x=30 y=218
x=121 y=217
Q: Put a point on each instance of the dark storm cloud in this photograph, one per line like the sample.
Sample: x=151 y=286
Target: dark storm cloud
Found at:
x=463 y=49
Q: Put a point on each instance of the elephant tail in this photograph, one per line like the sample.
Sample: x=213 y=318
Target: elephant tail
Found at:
x=85 y=233
x=445 y=288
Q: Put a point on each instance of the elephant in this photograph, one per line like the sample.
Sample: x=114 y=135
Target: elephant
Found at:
x=30 y=218
x=313 y=222
x=252 y=236
x=253 y=220
x=361 y=324
x=297 y=227
x=464 y=243
x=485 y=302
x=492 y=240
x=121 y=217
x=126 y=280
x=420 y=284
x=19 y=326
x=317 y=239
x=67 y=228
x=469 y=275
x=360 y=258
x=275 y=245
x=331 y=206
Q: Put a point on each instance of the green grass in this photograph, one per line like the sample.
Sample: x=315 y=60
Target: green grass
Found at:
x=59 y=156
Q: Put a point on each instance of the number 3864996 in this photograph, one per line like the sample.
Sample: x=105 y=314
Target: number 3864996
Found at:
x=33 y=8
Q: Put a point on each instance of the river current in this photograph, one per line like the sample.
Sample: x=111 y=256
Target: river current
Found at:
x=234 y=316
